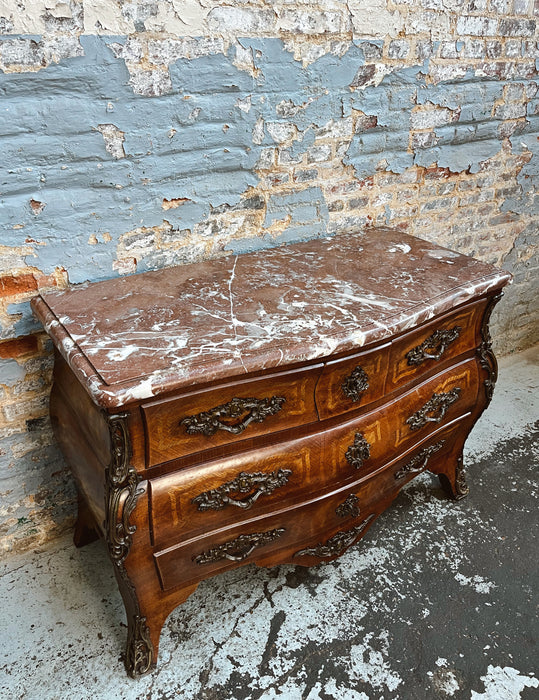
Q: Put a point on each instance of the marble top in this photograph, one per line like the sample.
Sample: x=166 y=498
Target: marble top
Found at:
x=131 y=338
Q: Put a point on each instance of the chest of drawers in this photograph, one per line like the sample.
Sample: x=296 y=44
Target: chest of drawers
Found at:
x=263 y=408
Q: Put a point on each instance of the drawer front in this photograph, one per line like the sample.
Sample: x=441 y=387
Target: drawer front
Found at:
x=256 y=482
x=229 y=413
x=355 y=381
x=422 y=349
x=374 y=494
x=285 y=531
x=319 y=529
x=234 y=488
x=365 y=444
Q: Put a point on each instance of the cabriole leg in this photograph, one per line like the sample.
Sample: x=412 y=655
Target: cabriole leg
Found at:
x=453 y=479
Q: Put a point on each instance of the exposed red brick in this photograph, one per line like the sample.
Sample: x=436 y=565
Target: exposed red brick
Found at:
x=18 y=347
x=366 y=122
x=436 y=173
x=36 y=206
x=11 y=285
x=364 y=75
x=402 y=226
x=23 y=283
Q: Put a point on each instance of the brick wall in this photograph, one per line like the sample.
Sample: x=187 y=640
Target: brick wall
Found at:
x=143 y=134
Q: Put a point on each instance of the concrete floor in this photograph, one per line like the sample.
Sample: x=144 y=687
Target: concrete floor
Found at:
x=437 y=601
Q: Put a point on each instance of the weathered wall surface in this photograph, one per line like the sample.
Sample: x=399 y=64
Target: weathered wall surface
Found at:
x=142 y=134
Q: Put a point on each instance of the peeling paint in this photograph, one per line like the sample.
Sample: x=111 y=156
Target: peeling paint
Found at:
x=138 y=135
x=114 y=140
x=226 y=119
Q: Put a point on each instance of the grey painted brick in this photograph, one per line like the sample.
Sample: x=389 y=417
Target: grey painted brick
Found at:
x=358 y=202
x=486 y=130
x=513 y=48
x=529 y=48
x=521 y=7
x=398 y=48
x=448 y=49
x=424 y=139
x=440 y=203
x=319 y=153
x=243 y=21
x=11 y=372
x=30 y=407
x=474 y=48
x=494 y=49
x=513 y=110
x=346 y=223
x=517 y=27
x=514 y=91
x=424 y=49
x=477 y=26
x=372 y=50
x=305 y=175
x=477 y=6
x=337 y=205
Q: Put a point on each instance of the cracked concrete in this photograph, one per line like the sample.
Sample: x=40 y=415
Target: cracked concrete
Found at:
x=435 y=602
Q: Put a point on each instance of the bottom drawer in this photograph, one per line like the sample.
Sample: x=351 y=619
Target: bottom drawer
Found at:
x=320 y=528
x=205 y=556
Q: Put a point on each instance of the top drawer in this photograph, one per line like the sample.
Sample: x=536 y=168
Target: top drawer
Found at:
x=424 y=348
x=357 y=380
x=352 y=382
x=203 y=420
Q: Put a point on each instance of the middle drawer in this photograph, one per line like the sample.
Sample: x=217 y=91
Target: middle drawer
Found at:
x=240 y=486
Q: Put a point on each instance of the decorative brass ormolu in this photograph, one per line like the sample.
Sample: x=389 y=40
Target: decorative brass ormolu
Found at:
x=239 y=548
x=358 y=452
x=139 y=648
x=487 y=359
x=208 y=422
x=458 y=488
x=264 y=483
x=348 y=508
x=121 y=493
x=336 y=544
x=437 y=406
x=419 y=462
x=434 y=346
x=121 y=490
x=461 y=487
x=355 y=384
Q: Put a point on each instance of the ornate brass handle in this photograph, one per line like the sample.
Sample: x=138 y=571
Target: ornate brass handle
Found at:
x=355 y=384
x=348 y=508
x=434 y=346
x=358 y=452
x=336 y=544
x=434 y=410
x=208 y=422
x=419 y=462
x=220 y=497
x=239 y=548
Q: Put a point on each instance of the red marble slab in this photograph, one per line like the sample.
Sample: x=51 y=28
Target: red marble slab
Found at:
x=132 y=338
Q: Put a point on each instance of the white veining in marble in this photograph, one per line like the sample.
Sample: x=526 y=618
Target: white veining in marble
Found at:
x=133 y=338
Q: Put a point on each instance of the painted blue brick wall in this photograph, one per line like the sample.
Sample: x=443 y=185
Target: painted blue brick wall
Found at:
x=210 y=150
x=54 y=153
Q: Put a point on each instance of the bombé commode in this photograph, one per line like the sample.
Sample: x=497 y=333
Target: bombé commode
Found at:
x=264 y=408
